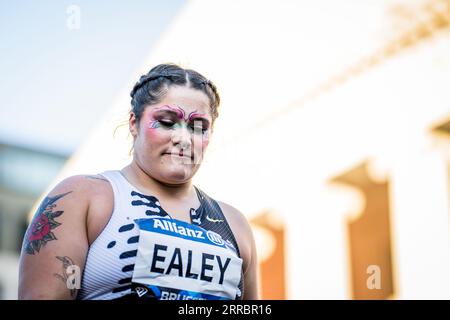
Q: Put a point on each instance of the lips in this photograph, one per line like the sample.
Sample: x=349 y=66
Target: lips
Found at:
x=178 y=154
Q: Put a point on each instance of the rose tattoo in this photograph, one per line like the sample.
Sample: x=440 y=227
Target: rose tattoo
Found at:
x=40 y=230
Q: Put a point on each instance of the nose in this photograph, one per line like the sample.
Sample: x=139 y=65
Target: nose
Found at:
x=182 y=138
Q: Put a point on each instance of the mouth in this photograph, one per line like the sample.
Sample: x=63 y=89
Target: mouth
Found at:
x=179 y=155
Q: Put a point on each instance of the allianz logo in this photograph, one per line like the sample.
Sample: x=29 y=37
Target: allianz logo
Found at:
x=168 y=225
x=215 y=238
x=172 y=226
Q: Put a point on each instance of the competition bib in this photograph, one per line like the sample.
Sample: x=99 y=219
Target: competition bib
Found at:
x=181 y=261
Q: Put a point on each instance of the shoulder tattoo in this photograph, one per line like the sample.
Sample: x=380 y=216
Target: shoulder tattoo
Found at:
x=40 y=230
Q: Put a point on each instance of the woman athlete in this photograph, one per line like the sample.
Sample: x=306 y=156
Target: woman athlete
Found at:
x=145 y=231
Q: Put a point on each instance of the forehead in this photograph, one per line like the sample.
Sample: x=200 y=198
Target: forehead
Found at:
x=188 y=99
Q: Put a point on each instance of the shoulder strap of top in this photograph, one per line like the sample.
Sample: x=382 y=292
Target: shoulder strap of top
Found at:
x=117 y=181
x=212 y=218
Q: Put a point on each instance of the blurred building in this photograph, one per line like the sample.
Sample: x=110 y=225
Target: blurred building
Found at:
x=24 y=173
x=333 y=139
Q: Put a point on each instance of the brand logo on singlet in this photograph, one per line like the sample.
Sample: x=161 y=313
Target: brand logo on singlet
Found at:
x=141 y=291
x=172 y=226
x=215 y=237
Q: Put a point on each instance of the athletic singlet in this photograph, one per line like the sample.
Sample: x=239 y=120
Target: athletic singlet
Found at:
x=143 y=253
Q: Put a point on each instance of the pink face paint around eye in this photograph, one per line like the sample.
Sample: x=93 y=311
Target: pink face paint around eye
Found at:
x=154 y=124
x=175 y=109
x=195 y=115
x=180 y=113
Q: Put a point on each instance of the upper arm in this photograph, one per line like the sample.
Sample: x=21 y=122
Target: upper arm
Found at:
x=55 y=245
x=247 y=247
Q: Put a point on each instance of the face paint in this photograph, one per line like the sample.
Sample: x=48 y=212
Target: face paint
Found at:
x=200 y=122
x=169 y=145
x=172 y=109
x=166 y=117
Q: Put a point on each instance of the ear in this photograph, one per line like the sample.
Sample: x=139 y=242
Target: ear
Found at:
x=133 y=125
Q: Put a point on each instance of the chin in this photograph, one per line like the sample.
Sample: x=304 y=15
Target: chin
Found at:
x=177 y=175
x=175 y=172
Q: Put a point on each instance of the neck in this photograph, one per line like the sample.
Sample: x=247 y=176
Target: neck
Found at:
x=134 y=173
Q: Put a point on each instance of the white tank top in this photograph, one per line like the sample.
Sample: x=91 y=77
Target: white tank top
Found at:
x=111 y=258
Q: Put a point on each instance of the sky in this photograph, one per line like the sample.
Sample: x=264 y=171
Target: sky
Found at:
x=59 y=76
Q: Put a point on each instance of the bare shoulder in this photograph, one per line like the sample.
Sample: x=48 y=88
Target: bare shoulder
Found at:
x=97 y=185
x=100 y=199
x=247 y=247
x=74 y=190
x=80 y=182
x=83 y=187
x=241 y=230
x=235 y=217
x=90 y=196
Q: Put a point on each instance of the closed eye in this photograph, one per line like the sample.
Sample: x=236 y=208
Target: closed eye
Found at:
x=166 y=123
x=199 y=125
x=199 y=128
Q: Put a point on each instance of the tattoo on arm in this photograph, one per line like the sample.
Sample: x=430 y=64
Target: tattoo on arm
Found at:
x=40 y=230
x=96 y=178
x=67 y=262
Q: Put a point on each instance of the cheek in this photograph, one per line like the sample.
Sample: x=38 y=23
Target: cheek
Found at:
x=152 y=134
x=205 y=143
x=155 y=134
x=202 y=142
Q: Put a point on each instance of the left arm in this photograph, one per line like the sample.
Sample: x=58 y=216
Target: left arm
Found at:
x=251 y=273
x=247 y=247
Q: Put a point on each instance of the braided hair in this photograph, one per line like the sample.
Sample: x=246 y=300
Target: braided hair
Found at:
x=152 y=87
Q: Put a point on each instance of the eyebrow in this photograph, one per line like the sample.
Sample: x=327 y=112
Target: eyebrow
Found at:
x=198 y=116
x=176 y=114
x=192 y=117
x=174 y=110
